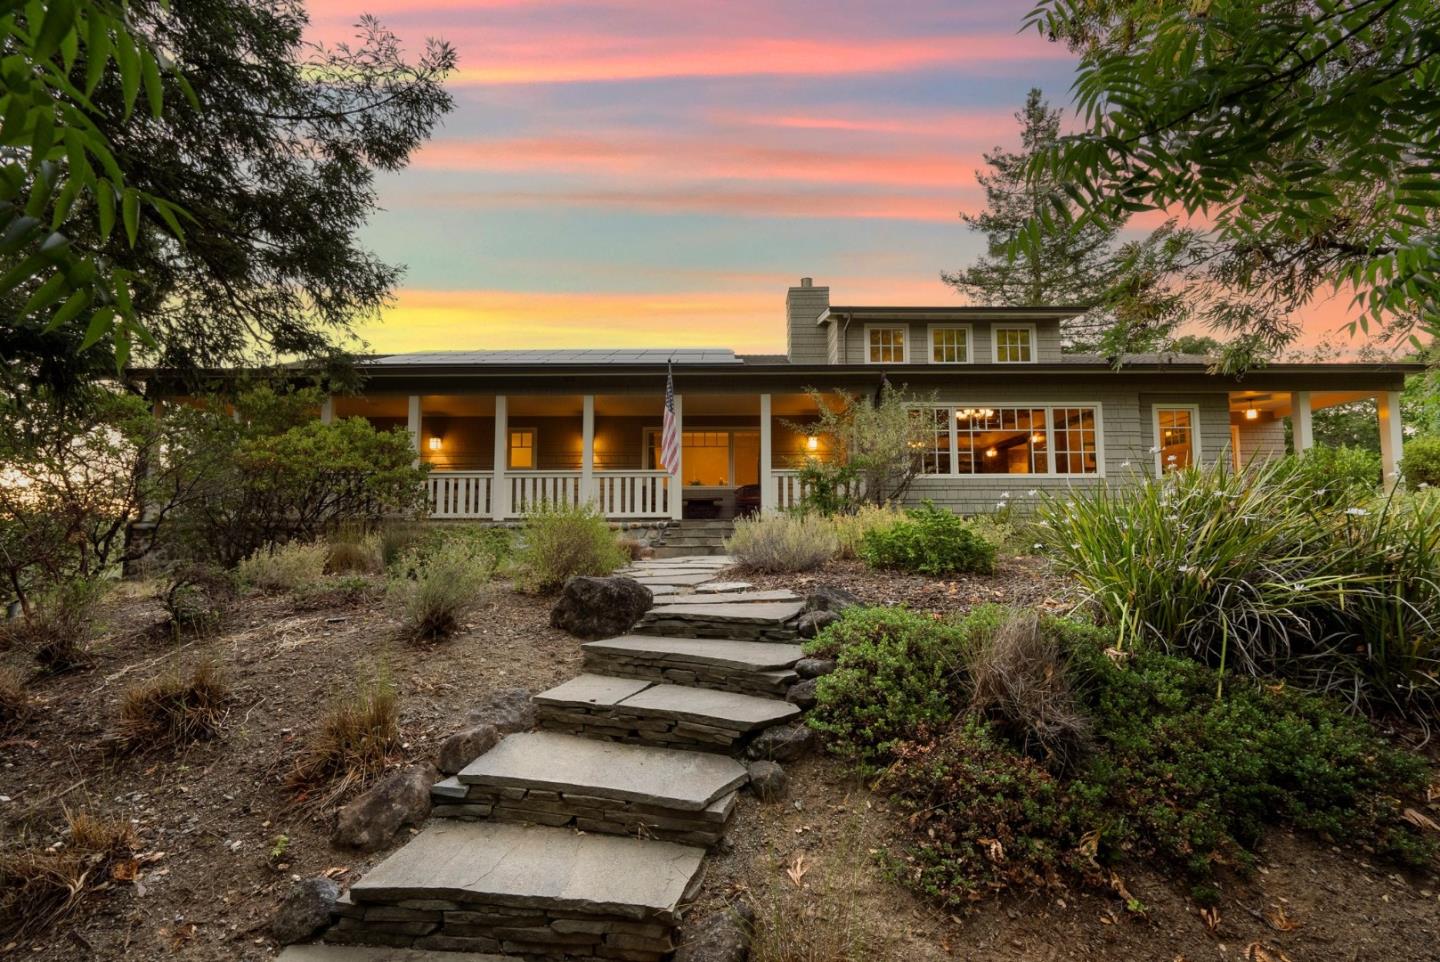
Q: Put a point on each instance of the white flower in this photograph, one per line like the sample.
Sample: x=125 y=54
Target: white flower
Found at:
x=1004 y=494
x=1184 y=569
x=1031 y=493
x=1172 y=458
x=1423 y=485
x=1001 y=504
x=1356 y=512
x=1038 y=546
x=1124 y=464
x=1155 y=449
x=1320 y=492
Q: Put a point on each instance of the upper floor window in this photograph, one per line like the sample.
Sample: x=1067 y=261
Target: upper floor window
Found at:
x=522 y=448
x=1014 y=344
x=950 y=345
x=886 y=345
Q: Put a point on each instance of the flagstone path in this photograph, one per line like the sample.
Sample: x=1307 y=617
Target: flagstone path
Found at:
x=587 y=839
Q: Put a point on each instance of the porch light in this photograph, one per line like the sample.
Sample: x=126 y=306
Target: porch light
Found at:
x=435 y=442
x=812 y=443
x=1252 y=414
x=991 y=452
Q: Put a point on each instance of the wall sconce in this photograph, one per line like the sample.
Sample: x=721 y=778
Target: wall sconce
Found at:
x=991 y=452
x=435 y=442
x=812 y=443
x=1252 y=414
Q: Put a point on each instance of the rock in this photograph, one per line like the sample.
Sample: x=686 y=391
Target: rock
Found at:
x=463 y=747
x=782 y=743
x=508 y=709
x=814 y=667
x=306 y=910
x=767 y=780
x=370 y=821
x=830 y=598
x=802 y=693
x=600 y=607
x=811 y=623
x=722 y=937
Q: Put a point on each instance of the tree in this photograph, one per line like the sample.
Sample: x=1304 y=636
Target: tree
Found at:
x=872 y=443
x=1303 y=135
x=1084 y=263
x=271 y=163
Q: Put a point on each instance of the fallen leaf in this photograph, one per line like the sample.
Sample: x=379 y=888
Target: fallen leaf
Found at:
x=1211 y=917
x=1420 y=820
x=125 y=871
x=797 y=870
x=1281 y=922
x=1258 y=952
x=335 y=871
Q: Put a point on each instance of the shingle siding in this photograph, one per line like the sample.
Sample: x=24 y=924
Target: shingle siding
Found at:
x=854 y=347
x=805 y=341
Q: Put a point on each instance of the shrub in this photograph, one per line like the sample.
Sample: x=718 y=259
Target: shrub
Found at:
x=396 y=540
x=782 y=543
x=1338 y=475
x=197 y=594
x=285 y=567
x=1420 y=463
x=173 y=709
x=352 y=551
x=60 y=624
x=851 y=528
x=560 y=541
x=41 y=885
x=441 y=590
x=358 y=737
x=1177 y=775
x=14 y=702
x=930 y=541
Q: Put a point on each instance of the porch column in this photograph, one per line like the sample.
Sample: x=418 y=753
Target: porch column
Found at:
x=499 y=486
x=413 y=423
x=767 y=481
x=677 y=476
x=1392 y=440
x=1302 y=433
x=327 y=410
x=587 y=451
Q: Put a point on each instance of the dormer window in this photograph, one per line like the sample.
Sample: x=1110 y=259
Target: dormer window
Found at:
x=1014 y=343
x=886 y=344
x=950 y=344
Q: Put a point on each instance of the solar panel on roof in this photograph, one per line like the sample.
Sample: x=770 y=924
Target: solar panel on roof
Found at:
x=567 y=356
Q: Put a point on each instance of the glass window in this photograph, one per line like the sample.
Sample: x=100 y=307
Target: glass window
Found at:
x=934 y=447
x=1013 y=345
x=1177 y=437
x=949 y=345
x=887 y=345
x=1001 y=441
x=522 y=448
x=1076 y=451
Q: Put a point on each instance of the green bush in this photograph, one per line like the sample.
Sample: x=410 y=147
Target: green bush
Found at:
x=1175 y=775
x=783 y=543
x=1339 y=475
x=560 y=541
x=1420 y=464
x=440 y=589
x=930 y=541
x=58 y=625
x=850 y=528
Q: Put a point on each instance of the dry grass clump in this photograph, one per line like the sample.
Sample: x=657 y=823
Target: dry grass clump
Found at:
x=173 y=709
x=358 y=737
x=14 y=701
x=353 y=553
x=59 y=625
x=782 y=543
x=285 y=567
x=1018 y=683
x=441 y=590
x=40 y=886
x=850 y=528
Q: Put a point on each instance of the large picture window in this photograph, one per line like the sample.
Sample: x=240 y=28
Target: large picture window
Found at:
x=1029 y=439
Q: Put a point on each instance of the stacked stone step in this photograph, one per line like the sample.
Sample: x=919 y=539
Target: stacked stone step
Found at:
x=748 y=667
x=523 y=890
x=733 y=620
x=547 y=778
x=644 y=712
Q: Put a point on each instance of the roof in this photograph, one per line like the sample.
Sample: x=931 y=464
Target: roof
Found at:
x=951 y=311
x=564 y=357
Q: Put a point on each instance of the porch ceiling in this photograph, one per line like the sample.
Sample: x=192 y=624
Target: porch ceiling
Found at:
x=1277 y=403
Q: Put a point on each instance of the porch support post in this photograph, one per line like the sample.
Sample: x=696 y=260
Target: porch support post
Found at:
x=413 y=423
x=327 y=410
x=767 y=480
x=677 y=479
x=1392 y=440
x=587 y=451
x=499 y=487
x=1302 y=433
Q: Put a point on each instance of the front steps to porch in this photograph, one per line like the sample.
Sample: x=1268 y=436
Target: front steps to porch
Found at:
x=586 y=839
x=694 y=537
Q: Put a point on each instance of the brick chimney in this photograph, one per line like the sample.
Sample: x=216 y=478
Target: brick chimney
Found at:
x=805 y=342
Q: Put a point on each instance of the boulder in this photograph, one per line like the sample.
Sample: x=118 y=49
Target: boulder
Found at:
x=814 y=667
x=802 y=693
x=722 y=937
x=767 y=780
x=306 y=910
x=830 y=598
x=811 y=623
x=593 y=608
x=370 y=821
x=508 y=709
x=463 y=747
x=781 y=743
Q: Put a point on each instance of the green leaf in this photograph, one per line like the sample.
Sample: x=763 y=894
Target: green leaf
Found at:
x=127 y=57
x=97 y=49
x=154 y=93
x=45 y=295
x=105 y=208
x=70 y=310
x=100 y=324
x=130 y=210
x=59 y=20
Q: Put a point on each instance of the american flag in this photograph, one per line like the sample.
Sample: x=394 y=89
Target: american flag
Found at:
x=670 y=434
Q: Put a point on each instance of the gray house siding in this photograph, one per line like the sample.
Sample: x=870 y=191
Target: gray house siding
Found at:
x=1261 y=440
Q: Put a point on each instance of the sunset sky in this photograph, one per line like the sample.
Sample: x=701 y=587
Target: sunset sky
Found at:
x=640 y=172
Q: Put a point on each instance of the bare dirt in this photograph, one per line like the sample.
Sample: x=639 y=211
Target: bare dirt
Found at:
x=217 y=810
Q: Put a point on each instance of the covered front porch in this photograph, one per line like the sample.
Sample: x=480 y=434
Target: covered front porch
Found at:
x=499 y=456
x=1258 y=419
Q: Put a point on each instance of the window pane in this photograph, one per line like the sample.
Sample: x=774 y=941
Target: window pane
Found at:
x=1001 y=440
x=705 y=457
x=933 y=454
x=1177 y=438
x=1012 y=345
x=522 y=449
x=950 y=345
x=887 y=345
x=1076 y=451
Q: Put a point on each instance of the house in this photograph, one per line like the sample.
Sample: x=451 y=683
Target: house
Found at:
x=506 y=430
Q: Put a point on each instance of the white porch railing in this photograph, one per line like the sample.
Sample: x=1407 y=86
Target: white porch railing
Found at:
x=459 y=494
x=788 y=490
x=633 y=494
x=530 y=489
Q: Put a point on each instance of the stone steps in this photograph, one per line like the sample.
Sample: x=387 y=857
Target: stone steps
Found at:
x=640 y=711
x=724 y=618
x=734 y=598
x=368 y=953
x=523 y=890
x=748 y=667
x=555 y=779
